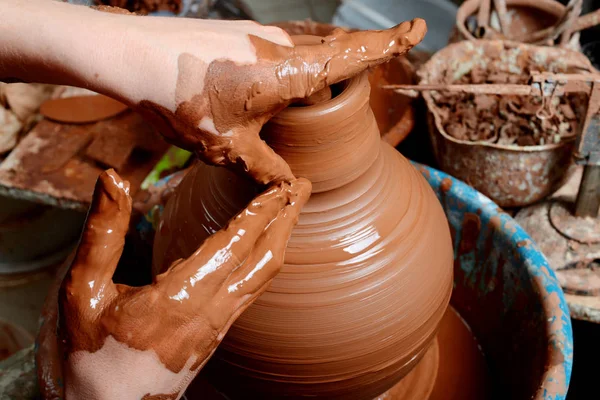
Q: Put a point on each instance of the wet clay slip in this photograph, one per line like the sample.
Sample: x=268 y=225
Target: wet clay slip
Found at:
x=368 y=269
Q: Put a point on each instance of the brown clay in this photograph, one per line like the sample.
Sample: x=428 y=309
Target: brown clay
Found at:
x=505 y=119
x=368 y=269
x=143 y=6
x=454 y=368
x=81 y=109
x=463 y=373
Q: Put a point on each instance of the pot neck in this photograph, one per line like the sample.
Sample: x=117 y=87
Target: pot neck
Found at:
x=331 y=143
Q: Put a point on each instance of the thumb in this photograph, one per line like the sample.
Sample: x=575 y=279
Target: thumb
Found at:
x=250 y=155
x=102 y=240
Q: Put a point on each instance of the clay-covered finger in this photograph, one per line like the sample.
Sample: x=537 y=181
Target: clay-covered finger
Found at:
x=357 y=51
x=103 y=236
x=266 y=258
x=255 y=158
x=343 y=55
x=227 y=249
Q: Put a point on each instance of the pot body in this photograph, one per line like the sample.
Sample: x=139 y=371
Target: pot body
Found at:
x=368 y=268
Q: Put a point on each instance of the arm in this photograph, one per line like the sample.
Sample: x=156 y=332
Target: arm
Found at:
x=209 y=86
x=113 y=53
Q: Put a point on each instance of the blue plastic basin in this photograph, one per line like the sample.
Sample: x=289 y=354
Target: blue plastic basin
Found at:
x=507 y=293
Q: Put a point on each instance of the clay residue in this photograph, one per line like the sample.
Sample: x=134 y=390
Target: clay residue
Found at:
x=524 y=120
x=59 y=163
x=506 y=119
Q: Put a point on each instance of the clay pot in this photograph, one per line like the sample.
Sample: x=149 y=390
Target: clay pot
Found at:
x=524 y=16
x=395 y=113
x=368 y=268
x=511 y=175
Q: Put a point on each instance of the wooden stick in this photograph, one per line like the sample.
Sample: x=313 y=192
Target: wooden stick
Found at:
x=510 y=89
x=588 y=197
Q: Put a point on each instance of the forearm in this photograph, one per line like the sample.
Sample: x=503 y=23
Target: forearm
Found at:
x=52 y=42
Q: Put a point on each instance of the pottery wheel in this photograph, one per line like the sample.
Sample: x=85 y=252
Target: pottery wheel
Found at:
x=419 y=383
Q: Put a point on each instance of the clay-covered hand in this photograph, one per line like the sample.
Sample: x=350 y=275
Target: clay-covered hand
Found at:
x=122 y=342
x=208 y=85
x=226 y=79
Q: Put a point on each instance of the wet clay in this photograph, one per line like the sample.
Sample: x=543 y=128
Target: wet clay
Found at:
x=166 y=331
x=221 y=104
x=454 y=368
x=368 y=269
x=463 y=372
x=81 y=109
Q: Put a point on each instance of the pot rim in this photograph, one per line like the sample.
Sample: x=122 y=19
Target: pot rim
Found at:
x=430 y=103
x=330 y=106
x=406 y=122
x=464 y=11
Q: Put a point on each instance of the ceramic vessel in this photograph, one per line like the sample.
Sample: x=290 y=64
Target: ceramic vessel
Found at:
x=511 y=175
x=368 y=269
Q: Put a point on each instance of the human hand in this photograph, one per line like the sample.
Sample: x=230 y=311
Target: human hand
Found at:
x=232 y=77
x=149 y=342
x=208 y=85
